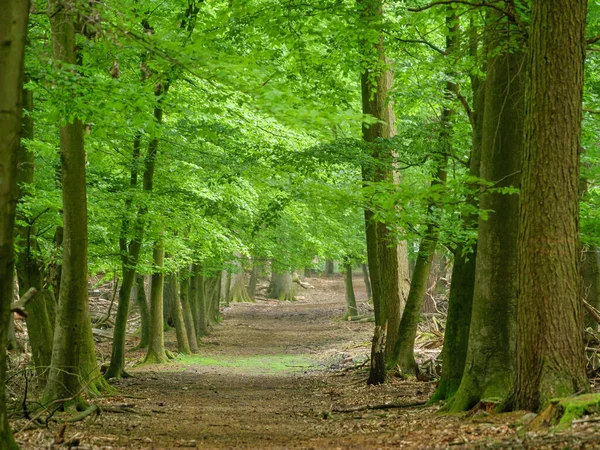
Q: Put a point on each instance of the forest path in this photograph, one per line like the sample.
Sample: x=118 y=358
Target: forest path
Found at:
x=271 y=376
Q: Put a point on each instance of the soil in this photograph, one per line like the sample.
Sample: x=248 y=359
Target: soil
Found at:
x=277 y=375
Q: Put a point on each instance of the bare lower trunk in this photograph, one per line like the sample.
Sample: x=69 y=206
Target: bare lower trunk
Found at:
x=282 y=287
x=187 y=311
x=156 y=349
x=349 y=288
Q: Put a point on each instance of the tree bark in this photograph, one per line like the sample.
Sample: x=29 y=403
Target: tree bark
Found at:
x=489 y=361
x=156 y=349
x=382 y=248
x=13 y=33
x=73 y=365
x=329 y=268
x=550 y=351
x=460 y=299
x=142 y=303
x=590 y=281
x=183 y=344
x=188 y=317
x=282 y=287
x=365 y=272
x=351 y=310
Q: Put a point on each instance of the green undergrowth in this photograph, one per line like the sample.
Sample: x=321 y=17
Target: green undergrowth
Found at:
x=255 y=364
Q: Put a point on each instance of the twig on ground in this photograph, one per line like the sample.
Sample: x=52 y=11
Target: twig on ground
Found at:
x=382 y=406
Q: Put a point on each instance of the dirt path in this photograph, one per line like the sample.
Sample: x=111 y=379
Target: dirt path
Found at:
x=272 y=376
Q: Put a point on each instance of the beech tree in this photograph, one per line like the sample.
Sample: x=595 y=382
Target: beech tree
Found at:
x=13 y=33
x=550 y=356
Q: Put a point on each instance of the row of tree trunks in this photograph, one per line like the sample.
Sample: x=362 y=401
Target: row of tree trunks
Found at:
x=13 y=32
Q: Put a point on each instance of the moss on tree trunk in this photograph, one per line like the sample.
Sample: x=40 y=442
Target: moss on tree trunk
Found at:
x=489 y=361
x=282 y=287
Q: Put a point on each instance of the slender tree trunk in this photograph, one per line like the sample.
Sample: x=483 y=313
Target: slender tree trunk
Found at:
x=382 y=247
x=156 y=349
x=489 y=361
x=168 y=300
x=29 y=268
x=550 y=351
x=460 y=301
x=130 y=254
x=590 y=281
x=183 y=344
x=142 y=303
x=365 y=272
x=253 y=281
x=212 y=298
x=349 y=288
x=329 y=268
x=188 y=317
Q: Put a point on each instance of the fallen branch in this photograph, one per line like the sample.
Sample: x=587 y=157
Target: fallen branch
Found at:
x=379 y=407
x=592 y=311
x=19 y=307
x=92 y=409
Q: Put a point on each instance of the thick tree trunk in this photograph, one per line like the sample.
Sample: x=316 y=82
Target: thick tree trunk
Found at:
x=351 y=310
x=188 y=317
x=550 y=351
x=282 y=287
x=238 y=292
x=212 y=299
x=73 y=366
x=168 y=300
x=183 y=344
x=365 y=272
x=13 y=31
x=156 y=348
x=488 y=367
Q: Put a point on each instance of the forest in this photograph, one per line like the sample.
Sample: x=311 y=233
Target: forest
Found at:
x=299 y=224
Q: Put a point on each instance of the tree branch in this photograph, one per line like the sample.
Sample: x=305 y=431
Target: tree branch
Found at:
x=19 y=307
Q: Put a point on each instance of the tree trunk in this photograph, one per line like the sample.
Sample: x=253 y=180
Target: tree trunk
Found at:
x=365 y=272
x=403 y=357
x=382 y=248
x=282 y=287
x=13 y=32
x=188 y=317
x=590 y=281
x=168 y=300
x=253 y=281
x=550 y=351
x=212 y=298
x=238 y=292
x=226 y=287
x=329 y=268
x=460 y=299
x=142 y=303
x=489 y=362
x=198 y=292
x=70 y=370
x=40 y=328
x=349 y=288
x=156 y=349
x=183 y=344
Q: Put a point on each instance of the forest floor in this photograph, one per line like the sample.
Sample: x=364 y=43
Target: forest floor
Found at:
x=278 y=375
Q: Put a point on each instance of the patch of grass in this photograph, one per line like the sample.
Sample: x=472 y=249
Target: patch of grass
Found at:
x=253 y=364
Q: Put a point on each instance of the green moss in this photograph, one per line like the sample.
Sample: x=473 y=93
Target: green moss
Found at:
x=253 y=364
x=577 y=407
